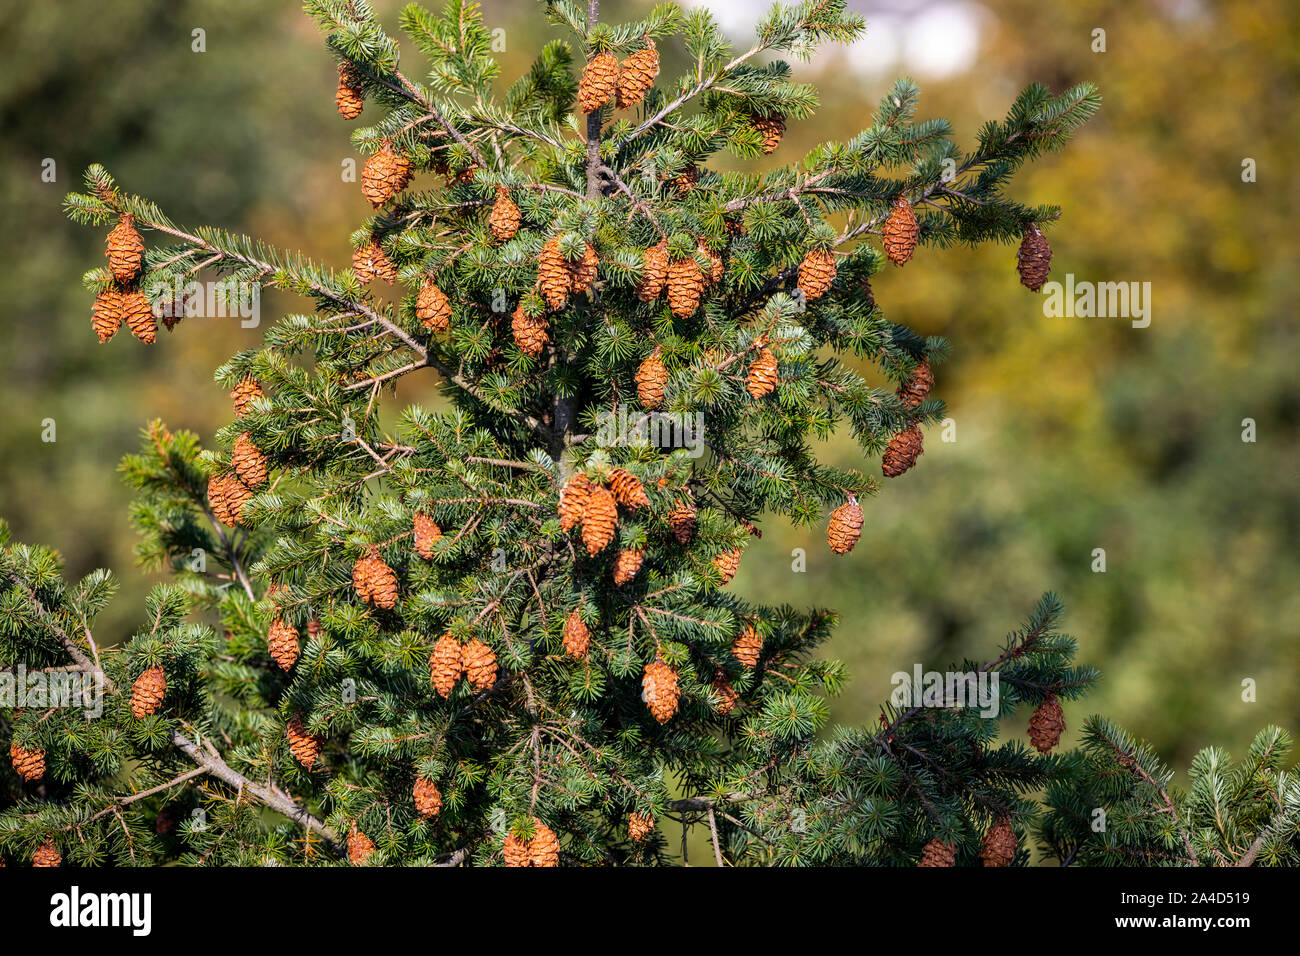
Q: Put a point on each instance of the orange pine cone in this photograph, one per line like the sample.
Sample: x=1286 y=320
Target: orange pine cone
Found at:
x=728 y=563
x=505 y=218
x=637 y=74
x=627 y=489
x=573 y=500
x=106 y=314
x=627 y=564
x=651 y=378
x=348 y=98
x=577 y=636
x=147 y=692
x=583 y=272
x=659 y=690
x=249 y=462
x=904 y=448
x=553 y=277
x=427 y=798
x=227 y=496
x=427 y=534
x=446 y=664
x=480 y=664
x=1047 y=724
x=816 y=273
x=304 y=746
x=386 y=173
x=900 y=232
x=242 y=395
x=374 y=580
x=282 y=643
x=139 y=317
x=845 y=527
x=654 y=272
x=686 y=180
x=685 y=286
x=544 y=847
x=716 y=268
x=681 y=521
x=599 y=80
x=28 y=764
x=515 y=850
x=360 y=847
x=530 y=334
x=370 y=262
x=47 y=855
x=747 y=646
x=124 y=249
x=917 y=387
x=727 y=696
x=639 y=826
x=599 y=520
x=1000 y=844
x=938 y=853
x=772 y=128
x=432 y=307
x=762 y=377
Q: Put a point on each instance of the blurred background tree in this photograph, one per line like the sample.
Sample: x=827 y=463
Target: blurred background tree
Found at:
x=1072 y=433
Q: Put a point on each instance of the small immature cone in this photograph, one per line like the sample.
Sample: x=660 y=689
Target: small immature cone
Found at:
x=480 y=664
x=139 y=317
x=917 y=387
x=427 y=534
x=685 y=286
x=544 y=847
x=1046 y=725
x=651 y=377
x=249 y=462
x=636 y=75
x=772 y=129
x=747 y=646
x=816 y=273
x=681 y=521
x=845 y=527
x=374 y=580
x=125 y=250
x=654 y=272
x=515 y=850
x=282 y=642
x=727 y=696
x=599 y=520
x=148 y=691
x=627 y=489
x=348 y=98
x=639 y=826
x=728 y=563
x=573 y=500
x=659 y=690
x=242 y=395
x=902 y=452
x=432 y=307
x=360 y=847
x=1034 y=260
x=577 y=636
x=370 y=262
x=627 y=564
x=446 y=664
x=304 y=746
x=427 y=798
x=47 y=855
x=505 y=219
x=599 y=80
x=530 y=334
x=386 y=173
x=28 y=764
x=762 y=377
x=937 y=853
x=1000 y=844
x=553 y=277
x=106 y=314
x=900 y=232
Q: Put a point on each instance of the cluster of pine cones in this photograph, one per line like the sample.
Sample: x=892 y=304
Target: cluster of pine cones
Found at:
x=450 y=660
x=604 y=80
x=230 y=490
x=593 y=504
x=121 y=300
x=908 y=445
x=998 y=848
x=542 y=850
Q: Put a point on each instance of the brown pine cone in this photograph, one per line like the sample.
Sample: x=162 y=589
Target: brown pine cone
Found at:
x=686 y=180
x=1034 y=260
x=249 y=462
x=28 y=764
x=904 y=448
x=685 y=286
x=1000 y=844
x=374 y=580
x=651 y=377
x=427 y=797
x=446 y=664
x=227 y=495
x=640 y=826
x=681 y=521
x=370 y=262
x=386 y=173
x=772 y=129
x=304 y=746
x=47 y=855
x=464 y=177
x=583 y=271
x=515 y=850
x=139 y=317
x=599 y=80
x=242 y=395
x=573 y=500
x=845 y=527
x=917 y=387
x=348 y=98
x=900 y=232
x=282 y=642
x=627 y=489
x=505 y=219
x=577 y=636
x=637 y=74
x=937 y=853
x=531 y=334
x=480 y=665
x=716 y=268
x=313 y=629
x=728 y=563
x=544 y=847
x=627 y=564
x=659 y=690
x=106 y=314
x=599 y=520
x=1046 y=725
x=816 y=273
x=553 y=277
x=360 y=847
x=124 y=249
x=747 y=646
x=727 y=696
x=432 y=307
x=762 y=376
x=148 y=691
x=654 y=272
x=427 y=534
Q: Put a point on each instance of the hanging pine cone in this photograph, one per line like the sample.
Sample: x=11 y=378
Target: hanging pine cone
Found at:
x=242 y=395
x=480 y=665
x=386 y=173
x=681 y=521
x=902 y=452
x=577 y=636
x=148 y=691
x=374 y=580
x=627 y=489
x=816 y=273
x=139 y=317
x=747 y=646
x=463 y=177
x=47 y=855
x=370 y=262
x=1046 y=725
x=685 y=286
x=282 y=642
x=28 y=764
x=637 y=74
x=249 y=462
x=504 y=221
x=427 y=798
x=727 y=696
x=639 y=826
x=553 y=277
x=713 y=275
x=686 y=180
x=1000 y=844
x=432 y=307
x=544 y=847
x=106 y=314
x=530 y=334
x=446 y=664
x=1034 y=260
x=914 y=391
x=360 y=847
x=762 y=376
x=599 y=80
x=227 y=496
x=304 y=746
x=651 y=377
x=938 y=853
x=313 y=629
x=900 y=232
x=573 y=500
x=845 y=527
x=627 y=564
x=654 y=272
x=427 y=534
x=583 y=272
x=515 y=850
x=727 y=563
x=771 y=128
x=348 y=99
x=599 y=520
x=125 y=250
x=659 y=690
